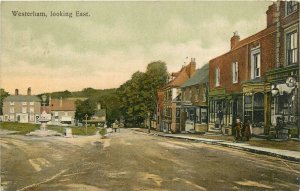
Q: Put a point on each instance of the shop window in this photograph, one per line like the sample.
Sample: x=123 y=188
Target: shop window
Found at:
x=203 y=115
x=292 y=47
x=258 y=109
x=177 y=115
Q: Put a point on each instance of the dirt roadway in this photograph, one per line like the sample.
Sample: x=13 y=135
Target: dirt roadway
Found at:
x=134 y=161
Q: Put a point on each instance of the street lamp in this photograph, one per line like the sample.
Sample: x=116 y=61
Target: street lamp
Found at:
x=274 y=91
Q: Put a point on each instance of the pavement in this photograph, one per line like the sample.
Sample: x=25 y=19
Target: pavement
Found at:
x=279 y=153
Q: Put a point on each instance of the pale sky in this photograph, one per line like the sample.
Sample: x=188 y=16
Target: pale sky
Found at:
x=104 y=49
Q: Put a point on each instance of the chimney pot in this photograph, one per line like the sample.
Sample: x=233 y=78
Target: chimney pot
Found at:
x=234 y=40
x=29 y=91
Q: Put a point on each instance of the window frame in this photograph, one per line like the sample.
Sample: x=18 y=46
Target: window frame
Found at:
x=235 y=72
x=217 y=77
x=254 y=54
x=290 y=7
x=288 y=49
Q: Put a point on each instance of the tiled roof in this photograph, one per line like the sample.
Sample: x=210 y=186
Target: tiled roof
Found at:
x=201 y=76
x=182 y=76
x=67 y=105
x=21 y=98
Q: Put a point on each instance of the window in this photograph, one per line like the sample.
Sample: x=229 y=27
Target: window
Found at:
x=12 y=118
x=24 y=103
x=31 y=117
x=11 y=103
x=292 y=47
x=235 y=72
x=204 y=95
x=217 y=75
x=31 y=110
x=24 y=109
x=291 y=6
x=31 y=103
x=11 y=110
x=255 y=63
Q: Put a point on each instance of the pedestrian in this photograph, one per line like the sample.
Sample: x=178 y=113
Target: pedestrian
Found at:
x=238 y=129
x=115 y=125
x=247 y=130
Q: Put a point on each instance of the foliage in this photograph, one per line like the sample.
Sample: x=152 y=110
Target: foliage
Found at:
x=21 y=128
x=86 y=107
x=138 y=95
x=3 y=94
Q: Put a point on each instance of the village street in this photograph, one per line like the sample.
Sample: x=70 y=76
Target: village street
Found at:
x=130 y=160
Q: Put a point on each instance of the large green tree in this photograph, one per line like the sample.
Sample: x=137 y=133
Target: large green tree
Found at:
x=138 y=95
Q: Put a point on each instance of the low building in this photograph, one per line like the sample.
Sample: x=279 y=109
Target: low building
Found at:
x=22 y=108
x=62 y=111
x=99 y=117
x=194 y=102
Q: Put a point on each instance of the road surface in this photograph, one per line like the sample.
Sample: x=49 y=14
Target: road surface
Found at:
x=130 y=160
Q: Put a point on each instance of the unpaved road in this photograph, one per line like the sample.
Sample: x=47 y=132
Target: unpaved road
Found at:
x=134 y=161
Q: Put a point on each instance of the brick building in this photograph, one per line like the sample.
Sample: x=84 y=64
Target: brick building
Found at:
x=284 y=77
x=172 y=94
x=194 y=102
x=22 y=108
x=237 y=80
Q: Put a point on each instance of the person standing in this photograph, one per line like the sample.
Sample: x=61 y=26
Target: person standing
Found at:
x=238 y=129
x=247 y=130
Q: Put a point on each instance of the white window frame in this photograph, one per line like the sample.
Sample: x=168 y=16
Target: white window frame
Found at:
x=217 y=77
x=24 y=109
x=255 y=66
x=11 y=103
x=31 y=110
x=11 y=110
x=235 y=72
x=204 y=94
x=31 y=117
x=12 y=117
x=293 y=46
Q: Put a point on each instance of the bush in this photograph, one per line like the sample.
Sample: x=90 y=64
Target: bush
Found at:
x=21 y=128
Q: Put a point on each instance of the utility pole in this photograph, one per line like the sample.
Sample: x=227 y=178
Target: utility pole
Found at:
x=86 y=116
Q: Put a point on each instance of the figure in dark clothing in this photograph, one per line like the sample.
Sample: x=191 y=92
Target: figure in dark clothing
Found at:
x=247 y=130
x=238 y=129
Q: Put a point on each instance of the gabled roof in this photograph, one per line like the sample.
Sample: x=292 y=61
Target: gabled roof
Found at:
x=201 y=76
x=62 y=105
x=180 y=78
x=21 y=98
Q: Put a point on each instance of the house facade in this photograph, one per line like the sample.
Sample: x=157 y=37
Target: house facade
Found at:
x=22 y=108
x=284 y=77
x=194 y=108
x=237 y=80
x=62 y=111
x=172 y=93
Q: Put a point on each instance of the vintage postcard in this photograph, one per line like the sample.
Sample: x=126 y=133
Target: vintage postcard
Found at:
x=149 y=95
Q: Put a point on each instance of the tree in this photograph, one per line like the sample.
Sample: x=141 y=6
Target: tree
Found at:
x=3 y=94
x=84 y=107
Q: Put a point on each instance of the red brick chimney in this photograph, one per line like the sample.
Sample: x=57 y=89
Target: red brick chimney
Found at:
x=271 y=14
x=29 y=91
x=191 y=68
x=234 y=40
x=16 y=92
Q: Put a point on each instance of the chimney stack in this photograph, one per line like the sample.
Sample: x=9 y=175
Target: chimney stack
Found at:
x=16 y=92
x=29 y=91
x=271 y=14
x=191 y=68
x=235 y=39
